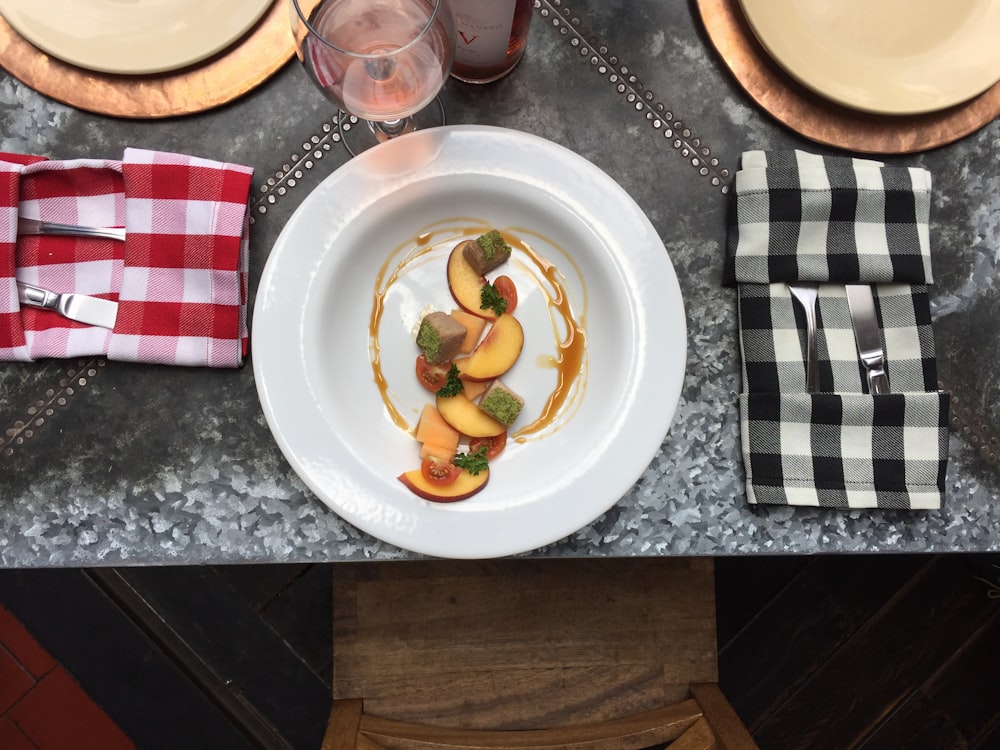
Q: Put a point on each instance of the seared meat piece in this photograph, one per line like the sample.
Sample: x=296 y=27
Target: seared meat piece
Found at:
x=501 y=403
x=486 y=252
x=439 y=337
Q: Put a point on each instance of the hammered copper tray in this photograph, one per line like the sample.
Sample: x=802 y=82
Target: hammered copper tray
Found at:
x=822 y=120
x=220 y=79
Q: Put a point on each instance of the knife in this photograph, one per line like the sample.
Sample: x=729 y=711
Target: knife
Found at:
x=34 y=226
x=866 y=333
x=79 y=307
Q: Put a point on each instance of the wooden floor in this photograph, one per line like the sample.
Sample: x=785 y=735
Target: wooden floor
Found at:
x=834 y=652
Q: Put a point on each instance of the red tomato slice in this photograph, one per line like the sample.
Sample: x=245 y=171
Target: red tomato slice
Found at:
x=506 y=289
x=432 y=377
x=439 y=472
x=494 y=445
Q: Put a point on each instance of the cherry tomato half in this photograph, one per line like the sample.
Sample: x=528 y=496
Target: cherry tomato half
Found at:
x=431 y=377
x=494 y=445
x=439 y=472
x=506 y=289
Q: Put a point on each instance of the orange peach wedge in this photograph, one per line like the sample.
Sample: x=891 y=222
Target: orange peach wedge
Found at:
x=466 y=417
x=465 y=284
x=465 y=485
x=497 y=352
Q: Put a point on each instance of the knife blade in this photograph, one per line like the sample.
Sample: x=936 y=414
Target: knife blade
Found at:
x=82 y=308
x=36 y=227
x=866 y=332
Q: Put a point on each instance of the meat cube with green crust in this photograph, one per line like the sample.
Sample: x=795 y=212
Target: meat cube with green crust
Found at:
x=501 y=403
x=486 y=252
x=439 y=337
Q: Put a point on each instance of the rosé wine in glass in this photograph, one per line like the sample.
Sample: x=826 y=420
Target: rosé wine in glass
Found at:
x=383 y=61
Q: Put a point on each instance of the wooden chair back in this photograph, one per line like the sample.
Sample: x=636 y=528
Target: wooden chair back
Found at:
x=517 y=653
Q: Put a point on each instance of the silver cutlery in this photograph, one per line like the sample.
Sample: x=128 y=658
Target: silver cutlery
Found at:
x=36 y=227
x=866 y=333
x=806 y=294
x=93 y=311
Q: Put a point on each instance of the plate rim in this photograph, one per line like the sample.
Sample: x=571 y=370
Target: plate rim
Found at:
x=668 y=381
x=757 y=12
x=14 y=14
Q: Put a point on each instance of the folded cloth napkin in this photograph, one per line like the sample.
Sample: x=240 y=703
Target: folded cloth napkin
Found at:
x=180 y=277
x=834 y=220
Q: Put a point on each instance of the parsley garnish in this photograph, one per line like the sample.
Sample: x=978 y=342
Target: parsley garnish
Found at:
x=491 y=300
x=452 y=386
x=474 y=462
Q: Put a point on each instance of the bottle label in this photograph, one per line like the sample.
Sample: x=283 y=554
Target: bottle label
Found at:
x=483 y=31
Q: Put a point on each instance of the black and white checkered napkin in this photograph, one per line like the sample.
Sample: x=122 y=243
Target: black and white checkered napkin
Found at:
x=834 y=220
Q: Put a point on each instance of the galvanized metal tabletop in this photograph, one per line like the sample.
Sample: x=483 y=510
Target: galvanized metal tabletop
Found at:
x=107 y=463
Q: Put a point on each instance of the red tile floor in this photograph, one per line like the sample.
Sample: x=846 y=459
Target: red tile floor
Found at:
x=41 y=706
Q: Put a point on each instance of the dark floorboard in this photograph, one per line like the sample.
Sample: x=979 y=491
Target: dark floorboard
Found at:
x=862 y=651
x=839 y=652
x=144 y=689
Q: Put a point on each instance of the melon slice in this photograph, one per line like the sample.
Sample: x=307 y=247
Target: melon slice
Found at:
x=474 y=326
x=436 y=437
x=475 y=388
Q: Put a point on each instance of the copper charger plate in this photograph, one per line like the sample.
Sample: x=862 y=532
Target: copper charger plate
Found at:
x=220 y=79
x=822 y=120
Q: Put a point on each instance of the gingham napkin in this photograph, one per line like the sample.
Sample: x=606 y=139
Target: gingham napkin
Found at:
x=836 y=220
x=180 y=277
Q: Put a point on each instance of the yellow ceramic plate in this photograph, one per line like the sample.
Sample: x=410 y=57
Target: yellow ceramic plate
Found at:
x=883 y=56
x=132 y=38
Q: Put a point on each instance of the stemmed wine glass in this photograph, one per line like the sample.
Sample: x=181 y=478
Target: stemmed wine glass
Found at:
x=382 y=61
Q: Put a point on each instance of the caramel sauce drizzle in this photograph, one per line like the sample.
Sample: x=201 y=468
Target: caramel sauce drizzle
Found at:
x=570 y=361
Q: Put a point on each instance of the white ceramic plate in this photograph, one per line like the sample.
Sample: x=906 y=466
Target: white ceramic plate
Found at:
x=883 y=56
x=132 y=38
x=311 y=342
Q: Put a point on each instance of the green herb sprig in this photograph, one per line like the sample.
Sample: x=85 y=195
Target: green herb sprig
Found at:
x=452 y=384
x=490 y=299
x=472 y=462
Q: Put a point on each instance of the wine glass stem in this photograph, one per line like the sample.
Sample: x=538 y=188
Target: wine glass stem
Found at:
x=392 y=128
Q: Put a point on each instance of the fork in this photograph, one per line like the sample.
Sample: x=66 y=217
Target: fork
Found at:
x=806 y=294
x=34 y=226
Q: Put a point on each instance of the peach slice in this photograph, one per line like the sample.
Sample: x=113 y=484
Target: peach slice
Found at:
x=497 y=352
x=465 y=284
x=465 y=485
x=467 y=418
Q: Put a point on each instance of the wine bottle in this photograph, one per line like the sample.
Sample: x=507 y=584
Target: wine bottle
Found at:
x=491 y=37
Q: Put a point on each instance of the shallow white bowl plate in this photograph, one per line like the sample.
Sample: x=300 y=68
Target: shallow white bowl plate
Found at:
x=891 y=57
x=311 y=342
x=132 y=38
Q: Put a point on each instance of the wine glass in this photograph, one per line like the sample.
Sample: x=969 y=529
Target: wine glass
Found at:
x=382 y=61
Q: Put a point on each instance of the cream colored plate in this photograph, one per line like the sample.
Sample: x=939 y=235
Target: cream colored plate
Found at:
x=884 y=56
x=132 y=38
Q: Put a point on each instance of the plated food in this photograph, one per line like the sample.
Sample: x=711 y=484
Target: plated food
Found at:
x=362 y=262
x=472 y=405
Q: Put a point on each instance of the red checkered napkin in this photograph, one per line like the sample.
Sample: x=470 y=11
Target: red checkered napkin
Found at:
x=180 y=277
